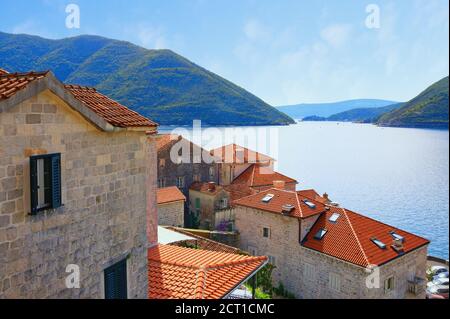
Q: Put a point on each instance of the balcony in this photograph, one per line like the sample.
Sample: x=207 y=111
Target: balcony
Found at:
x=416 y=286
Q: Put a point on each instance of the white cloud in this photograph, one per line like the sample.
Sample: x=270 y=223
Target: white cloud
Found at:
x=336 y=35
x=256 y=31
x=148 y=36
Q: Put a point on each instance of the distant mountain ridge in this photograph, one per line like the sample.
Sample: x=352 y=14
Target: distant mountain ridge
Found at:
x=430 y=109
x=159 y=84
x=301 y=111
x=363 y=115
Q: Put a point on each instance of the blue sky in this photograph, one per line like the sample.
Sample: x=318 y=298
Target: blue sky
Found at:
x=284 y=51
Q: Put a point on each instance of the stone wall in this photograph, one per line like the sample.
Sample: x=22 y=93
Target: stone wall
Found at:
x=306 y=273
x=171 y=214
x=104 y=195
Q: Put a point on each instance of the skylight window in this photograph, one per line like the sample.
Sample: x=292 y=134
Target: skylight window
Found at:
x=309 y=204
x=334 y=217
x=320 y=234
x=397 y=236
x=379 y=243
x=267 y=198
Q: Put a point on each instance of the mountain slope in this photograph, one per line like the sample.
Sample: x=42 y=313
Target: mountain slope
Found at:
x=327 y=109
x=363 y=115
x=159 y=84
x=428 y=109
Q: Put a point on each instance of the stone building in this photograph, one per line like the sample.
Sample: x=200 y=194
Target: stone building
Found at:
x=77 y=192
x=170 y=202
x=181 y=163
x=324 y=251
x=205 y=199
x=234 y=159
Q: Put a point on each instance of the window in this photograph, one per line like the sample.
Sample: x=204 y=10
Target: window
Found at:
x=266 y=232
x=196 y=178
x=45 y=182
x=397 y=236
x=389 y=284
x=197 y=203
x=308 y=271
x=272 y=260
x=161 y=183
x=267 y=198
x=180 y=182
x=224 y=203
x=334 y=217
x=211 y=173
x=309 y=204
x=379 y=243
x=320 y=234
x=335 y=282
x=162 y=162
x=116 y=281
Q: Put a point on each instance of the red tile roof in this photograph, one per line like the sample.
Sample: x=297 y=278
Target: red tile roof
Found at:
x=11 y=83
x=203 y=187
x=349 y=238
x=238 y=191
x=111 y=111
x=165 y=140
x=2 y=72
x=168 y=195
x=108 y=109
x=238 y=154
x=281 y=198
x=259 y=175
x=184 y=273
x=312 y=194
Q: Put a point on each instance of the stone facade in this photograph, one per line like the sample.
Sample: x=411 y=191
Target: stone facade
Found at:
x=171 y=214
x=183 y=174
x=307 y=273
x=108 y=189
x=209 y=204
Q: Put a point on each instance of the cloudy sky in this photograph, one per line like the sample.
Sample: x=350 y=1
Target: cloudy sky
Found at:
x=284 y=51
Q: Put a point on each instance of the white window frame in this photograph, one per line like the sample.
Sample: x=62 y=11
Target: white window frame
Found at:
x=386 y=283
x=252 y=250
x=180 y=181
x=269 y=233
x=334 y=281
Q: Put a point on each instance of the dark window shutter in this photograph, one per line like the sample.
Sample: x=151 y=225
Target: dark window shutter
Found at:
x=56 y=180
x=116 y=281
x=33 y=185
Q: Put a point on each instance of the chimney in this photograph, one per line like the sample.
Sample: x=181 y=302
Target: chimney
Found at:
x=211 y=186
x=279 y=185
x=397 y=245
x=325 y=195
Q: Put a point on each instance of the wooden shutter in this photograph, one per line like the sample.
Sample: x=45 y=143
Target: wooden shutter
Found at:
x=116 y=281
x=56 y=180
x=33 y=186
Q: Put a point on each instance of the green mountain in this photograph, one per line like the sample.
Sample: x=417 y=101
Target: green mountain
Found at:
x=159 y=84
x=363 y=115
x=301 y=111
x=429 y=109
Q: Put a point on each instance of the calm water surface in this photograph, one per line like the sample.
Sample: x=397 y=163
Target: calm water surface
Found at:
x=396 y=175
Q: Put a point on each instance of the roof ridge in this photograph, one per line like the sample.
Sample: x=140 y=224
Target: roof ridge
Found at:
x=298 y=203
x=356 y=236
x=81 y=87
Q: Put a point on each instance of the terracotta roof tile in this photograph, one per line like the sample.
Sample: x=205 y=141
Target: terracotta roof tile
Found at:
x=261 y=175
x=113 y=112
x=2 y=72
x=204 y=187
x=184 y=273
x=234 y=153
x=169 y=194
x=281 y=198
x=165 y=140
x=349 y=238
x=110 y=110
x=11 y=83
